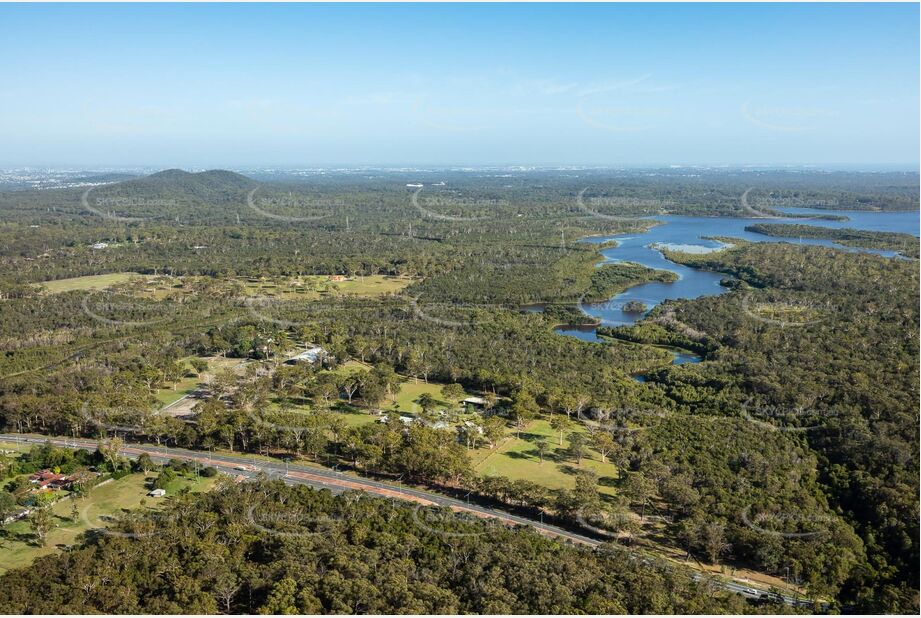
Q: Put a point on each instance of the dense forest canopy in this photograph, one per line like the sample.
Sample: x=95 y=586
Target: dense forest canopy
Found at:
x=271 y=549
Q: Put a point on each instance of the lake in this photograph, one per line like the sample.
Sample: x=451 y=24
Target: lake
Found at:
x=689 y=234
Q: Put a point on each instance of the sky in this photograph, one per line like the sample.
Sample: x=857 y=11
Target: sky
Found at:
x=285 y=85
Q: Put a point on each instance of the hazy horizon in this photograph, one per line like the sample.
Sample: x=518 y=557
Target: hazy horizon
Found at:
x=618 y=85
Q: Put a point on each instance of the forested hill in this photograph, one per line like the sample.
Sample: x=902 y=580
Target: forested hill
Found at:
x=268 y=548
x=219 y=179
x=170 y=193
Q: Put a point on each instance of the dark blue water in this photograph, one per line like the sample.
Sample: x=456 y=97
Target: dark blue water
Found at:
x=689 y=234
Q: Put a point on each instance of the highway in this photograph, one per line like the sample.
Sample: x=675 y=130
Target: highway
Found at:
x=325 y=478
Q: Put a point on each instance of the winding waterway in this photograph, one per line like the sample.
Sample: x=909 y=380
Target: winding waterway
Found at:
x=690 y=234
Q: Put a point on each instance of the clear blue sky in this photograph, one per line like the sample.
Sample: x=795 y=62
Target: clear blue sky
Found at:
x=240 y=85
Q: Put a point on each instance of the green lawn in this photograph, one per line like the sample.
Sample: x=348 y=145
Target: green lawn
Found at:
x=17 y=546
x=354 y=419
x=174 y=393
x=91 y=282
x=518 y=459
x=411 y=390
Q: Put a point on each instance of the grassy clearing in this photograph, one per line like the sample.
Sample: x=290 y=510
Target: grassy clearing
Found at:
x=105 y=501
x=374 y=285
x=313 y=287
x=354 y=418
x=518 y=459
x=410 y=391
x=90 y=282
x=174 y=392
x=177 y=391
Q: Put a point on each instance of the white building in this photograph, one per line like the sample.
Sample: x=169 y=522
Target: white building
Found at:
x=310 y=355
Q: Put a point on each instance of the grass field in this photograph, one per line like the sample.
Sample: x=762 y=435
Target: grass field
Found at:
x=91 y=282
x=518 y=459
x=312 y=287
x=17 y=547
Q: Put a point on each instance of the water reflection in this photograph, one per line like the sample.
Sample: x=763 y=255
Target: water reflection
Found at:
x=694 y=234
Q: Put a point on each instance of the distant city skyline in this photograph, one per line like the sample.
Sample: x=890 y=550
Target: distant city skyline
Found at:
x=832 y=86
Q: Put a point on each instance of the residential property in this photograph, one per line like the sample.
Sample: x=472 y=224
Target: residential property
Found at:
x=474 y=402
x=310 y=355
x=46 y=479
x=338 y=278
x=157 y=493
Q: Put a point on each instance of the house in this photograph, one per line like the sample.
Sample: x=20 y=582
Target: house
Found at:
x=310 y=355
x=338 y=278
x=474 y=402
x=157 y=493
x=46 y=479
x=100 y=245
